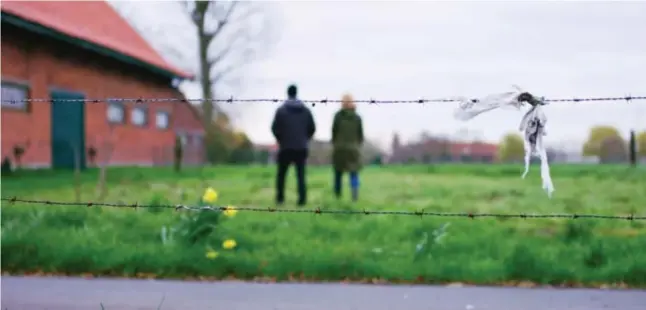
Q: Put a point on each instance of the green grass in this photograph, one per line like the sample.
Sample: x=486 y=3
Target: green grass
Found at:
x=129 y=242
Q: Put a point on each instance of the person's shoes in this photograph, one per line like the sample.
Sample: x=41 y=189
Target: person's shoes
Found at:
x=302 y=203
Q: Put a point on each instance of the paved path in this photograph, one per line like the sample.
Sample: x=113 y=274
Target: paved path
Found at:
x=20 y=293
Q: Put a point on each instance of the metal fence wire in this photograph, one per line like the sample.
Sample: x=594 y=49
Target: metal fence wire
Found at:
x=232 y=99
x=319 y=211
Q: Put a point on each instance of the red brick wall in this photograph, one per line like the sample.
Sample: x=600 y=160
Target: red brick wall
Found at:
x=44 y=63
x=186 y=118
x=186 y=121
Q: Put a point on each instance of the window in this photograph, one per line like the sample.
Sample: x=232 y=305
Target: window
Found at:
x=139 y=115
x=162 y=120
x=14 y=95
x=116 y=112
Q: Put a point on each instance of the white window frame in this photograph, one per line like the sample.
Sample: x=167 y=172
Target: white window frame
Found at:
x=113 y=106
x=14 y=96
x=134 y=116
x=158 y=123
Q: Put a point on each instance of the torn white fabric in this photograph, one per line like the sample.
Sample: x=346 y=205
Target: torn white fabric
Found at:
x=533 y=128
x=532 y=125
x=470 y=108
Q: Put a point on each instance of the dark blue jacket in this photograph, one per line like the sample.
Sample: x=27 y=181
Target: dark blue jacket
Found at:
x=293 y=125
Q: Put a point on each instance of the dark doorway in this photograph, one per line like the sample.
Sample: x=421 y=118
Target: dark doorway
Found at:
x=68 y=130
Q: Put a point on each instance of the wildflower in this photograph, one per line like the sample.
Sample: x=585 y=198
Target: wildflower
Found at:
x=210 y=195
x=230 y=211
x=210 y=254
x=229 y=244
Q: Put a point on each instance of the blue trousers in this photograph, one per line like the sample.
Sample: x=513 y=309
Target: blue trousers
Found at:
x=338 y=182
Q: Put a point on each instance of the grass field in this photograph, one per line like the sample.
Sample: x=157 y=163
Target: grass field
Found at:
x=276 y=246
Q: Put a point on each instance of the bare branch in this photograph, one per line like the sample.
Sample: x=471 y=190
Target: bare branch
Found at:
x=222 y=22
x=237 y=41
x=199 y=12
x=226 y=50
x=243 y=43
x=223 y=73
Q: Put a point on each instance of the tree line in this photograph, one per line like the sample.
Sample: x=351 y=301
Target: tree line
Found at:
x=603 y=142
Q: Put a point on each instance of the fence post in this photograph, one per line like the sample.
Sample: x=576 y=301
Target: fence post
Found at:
x=107 y=149
x=178 y=154
x=633 y=149
x=77 y=170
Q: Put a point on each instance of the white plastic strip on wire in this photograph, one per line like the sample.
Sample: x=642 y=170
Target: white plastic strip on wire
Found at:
x=532 y=125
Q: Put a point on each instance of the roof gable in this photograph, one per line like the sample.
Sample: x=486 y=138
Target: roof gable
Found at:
x=91 y=21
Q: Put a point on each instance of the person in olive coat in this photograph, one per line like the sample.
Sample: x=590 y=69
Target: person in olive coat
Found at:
x=347 y=140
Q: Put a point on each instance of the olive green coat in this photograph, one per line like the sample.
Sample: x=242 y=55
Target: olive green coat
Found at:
x=347 y=139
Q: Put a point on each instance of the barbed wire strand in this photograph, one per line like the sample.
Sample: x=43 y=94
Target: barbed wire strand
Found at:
x=319 y=211
x=321 y=101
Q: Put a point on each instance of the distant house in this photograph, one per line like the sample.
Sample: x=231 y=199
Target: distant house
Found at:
x=479 y=152
x=432 y=150
x=57 y=51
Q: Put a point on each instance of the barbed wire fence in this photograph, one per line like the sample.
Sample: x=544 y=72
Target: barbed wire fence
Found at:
x=232 y=99
x=320 y=211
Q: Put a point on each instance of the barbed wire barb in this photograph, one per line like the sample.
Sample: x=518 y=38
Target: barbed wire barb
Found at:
x=319 y=211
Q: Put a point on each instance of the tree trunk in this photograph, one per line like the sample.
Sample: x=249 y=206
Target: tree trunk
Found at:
x=205 y=78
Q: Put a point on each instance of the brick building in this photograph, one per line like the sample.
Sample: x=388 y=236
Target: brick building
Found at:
x=434 y=149
x=84 y=50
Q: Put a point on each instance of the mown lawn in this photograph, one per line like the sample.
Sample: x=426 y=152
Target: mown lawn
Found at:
x=278 y=246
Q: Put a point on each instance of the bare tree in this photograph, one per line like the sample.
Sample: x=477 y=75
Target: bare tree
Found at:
x=229 y=35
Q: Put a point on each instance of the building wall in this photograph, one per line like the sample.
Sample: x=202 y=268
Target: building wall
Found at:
x=434 y=150
x=43 y=63
x=188 y=126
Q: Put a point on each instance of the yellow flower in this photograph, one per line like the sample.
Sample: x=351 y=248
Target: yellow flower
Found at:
x=210 y=254
x=210 y=195
x=230 y=211
x=229 y=244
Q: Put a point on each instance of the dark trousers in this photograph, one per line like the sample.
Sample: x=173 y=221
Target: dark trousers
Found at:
x=285 y=159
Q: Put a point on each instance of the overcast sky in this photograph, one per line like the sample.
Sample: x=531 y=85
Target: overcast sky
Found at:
x=411 y=50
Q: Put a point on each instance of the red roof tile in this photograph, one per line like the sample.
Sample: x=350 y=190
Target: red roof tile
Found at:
x=92 y=21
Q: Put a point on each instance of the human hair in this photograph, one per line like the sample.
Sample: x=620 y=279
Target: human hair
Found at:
x=347 y=102
x=292 y=91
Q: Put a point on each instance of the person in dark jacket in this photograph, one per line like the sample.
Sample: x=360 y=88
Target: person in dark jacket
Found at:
x=293 y=127
x=347 y=140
